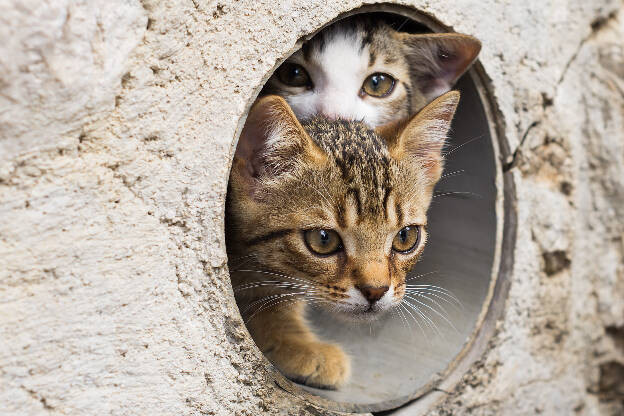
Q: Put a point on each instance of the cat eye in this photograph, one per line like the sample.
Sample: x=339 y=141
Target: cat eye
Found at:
x=322 y=241
x=293 y=75
x=406 y=239
x=378 y=85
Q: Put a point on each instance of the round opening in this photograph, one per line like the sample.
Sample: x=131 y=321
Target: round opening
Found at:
x=407 y=354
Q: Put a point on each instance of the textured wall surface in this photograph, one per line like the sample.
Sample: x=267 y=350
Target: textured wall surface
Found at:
x=117 y=123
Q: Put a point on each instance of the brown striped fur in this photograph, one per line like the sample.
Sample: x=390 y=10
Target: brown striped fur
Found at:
x=288 y=177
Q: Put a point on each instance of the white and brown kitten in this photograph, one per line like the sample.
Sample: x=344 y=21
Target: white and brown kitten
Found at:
x=330 y=213
x=363 y=69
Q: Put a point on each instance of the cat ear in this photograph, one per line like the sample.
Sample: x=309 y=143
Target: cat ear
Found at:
x=273 y=142
x=421 y=138
x=438 y=60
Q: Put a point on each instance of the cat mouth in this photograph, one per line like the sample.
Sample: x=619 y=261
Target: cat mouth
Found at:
x=369 y=313
x=372 y=309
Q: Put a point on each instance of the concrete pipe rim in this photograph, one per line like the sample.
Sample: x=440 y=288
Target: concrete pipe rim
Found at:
x=428 y=395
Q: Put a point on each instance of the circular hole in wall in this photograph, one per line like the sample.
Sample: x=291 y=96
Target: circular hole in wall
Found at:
x=404 y=356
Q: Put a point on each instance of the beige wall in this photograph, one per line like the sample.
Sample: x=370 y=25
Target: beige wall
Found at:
x=117 y=122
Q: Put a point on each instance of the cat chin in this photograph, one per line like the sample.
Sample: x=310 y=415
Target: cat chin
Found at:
x=359 y=315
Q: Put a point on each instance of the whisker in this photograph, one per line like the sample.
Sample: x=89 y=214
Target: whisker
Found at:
x=433 y=288
x=395 y=314
x=428 y=295
x=442 y=308
x=403 y=318
x=423 y=285
x=456 y=148
x=433 y=310
x=241 y=257
x=270 y=273
x=317 y=301
x=459 y=194
x=421 y=275
x=270 y=283
x=402 y=24
x=457 y=304
x=426 y=319
x=271 y=304
x=241 y=260
x=266 y=299
x=451 y=174
x=417 y=323
x=403 y=310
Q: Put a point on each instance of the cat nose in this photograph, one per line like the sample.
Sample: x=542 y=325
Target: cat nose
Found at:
x=372 y=293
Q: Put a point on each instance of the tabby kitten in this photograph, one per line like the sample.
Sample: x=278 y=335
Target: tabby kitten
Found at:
x=362 y=69
x=330 y=213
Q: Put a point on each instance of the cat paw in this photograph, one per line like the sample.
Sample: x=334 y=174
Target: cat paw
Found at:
x=316 y=364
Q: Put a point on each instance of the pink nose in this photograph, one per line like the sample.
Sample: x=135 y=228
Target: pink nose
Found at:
x=373 y=294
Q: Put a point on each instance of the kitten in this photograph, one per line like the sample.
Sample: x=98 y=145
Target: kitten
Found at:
x=331 y=213
x=361 y=69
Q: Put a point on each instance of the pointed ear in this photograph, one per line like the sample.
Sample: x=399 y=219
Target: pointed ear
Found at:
x=421 y=139
x=438 y=60
x=273 y=142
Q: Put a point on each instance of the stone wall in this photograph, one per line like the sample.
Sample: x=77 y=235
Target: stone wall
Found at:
x=118 y=120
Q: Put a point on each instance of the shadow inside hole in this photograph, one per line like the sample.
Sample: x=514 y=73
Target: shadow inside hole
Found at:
x=399 y=23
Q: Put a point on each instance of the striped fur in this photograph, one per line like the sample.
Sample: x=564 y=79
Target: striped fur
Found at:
x=339 y=58
x=366 y=185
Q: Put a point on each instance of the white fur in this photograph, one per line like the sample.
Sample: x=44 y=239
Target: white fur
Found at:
x=338 y=74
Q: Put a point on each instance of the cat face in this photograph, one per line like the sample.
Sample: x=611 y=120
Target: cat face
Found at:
x=331 y=210
x=358 y=69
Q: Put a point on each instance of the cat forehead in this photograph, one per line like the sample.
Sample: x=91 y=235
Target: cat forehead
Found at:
x=358 y=183
x=359 y=160
x=352 y=45
x=338 y=51
x=348 y=141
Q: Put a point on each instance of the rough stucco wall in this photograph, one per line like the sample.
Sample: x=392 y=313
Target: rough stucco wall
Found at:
x=560 y=347
x=117 y=121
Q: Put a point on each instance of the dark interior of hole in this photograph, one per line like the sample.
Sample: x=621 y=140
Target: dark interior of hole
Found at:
x=393 y=359
x=399 y=23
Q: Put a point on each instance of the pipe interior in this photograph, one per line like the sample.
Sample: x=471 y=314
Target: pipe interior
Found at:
x=399 y=355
